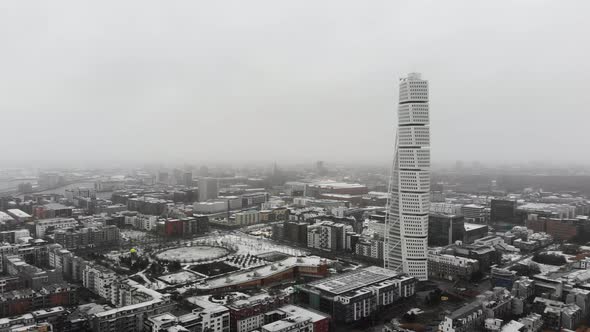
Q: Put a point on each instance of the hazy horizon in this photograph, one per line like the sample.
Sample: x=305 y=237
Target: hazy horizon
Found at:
x=264 y=81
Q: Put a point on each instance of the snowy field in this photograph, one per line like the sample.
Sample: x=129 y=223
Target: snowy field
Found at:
x=179 y=278
x=131 y=234
x=244 y=244
x=198 y=253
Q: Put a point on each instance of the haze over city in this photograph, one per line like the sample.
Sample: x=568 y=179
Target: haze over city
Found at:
x=283 y=166
x=263 y=81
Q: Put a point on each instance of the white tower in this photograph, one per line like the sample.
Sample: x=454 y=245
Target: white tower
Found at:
x=409 y=186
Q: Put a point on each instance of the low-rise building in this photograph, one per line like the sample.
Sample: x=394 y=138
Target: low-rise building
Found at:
x=371 y=248
x=532 y=323
x=249 y=313
x=310 y=267
x=87 y=237
x=135 y=302
x=444 y=266
x=494 y=305
x=42 y=226
x=298 y=319
x=356 y=295
x=558 y=315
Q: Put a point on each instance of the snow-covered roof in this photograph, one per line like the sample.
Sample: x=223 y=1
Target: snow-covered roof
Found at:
x=261 y=272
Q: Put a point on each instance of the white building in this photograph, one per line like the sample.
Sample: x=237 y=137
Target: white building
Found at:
x=19 y=215
x=247 y=218
x=210 y=207
x=99 y=280
x=407 y=218
x=532 y=323
x=55 y=223
x=474 y=213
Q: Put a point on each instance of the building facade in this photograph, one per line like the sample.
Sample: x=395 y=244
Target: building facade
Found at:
x=409 y=205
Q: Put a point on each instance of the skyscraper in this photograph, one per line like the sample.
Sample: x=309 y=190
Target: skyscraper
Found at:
x=409 y=187
x=208 y=189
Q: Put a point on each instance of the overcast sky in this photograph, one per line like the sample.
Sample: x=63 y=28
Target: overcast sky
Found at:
x=205 y=81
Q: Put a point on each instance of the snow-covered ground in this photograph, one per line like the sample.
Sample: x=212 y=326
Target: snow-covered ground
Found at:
x=246 y=244
x=179 y=278
x=193 y=253
x=132 y=234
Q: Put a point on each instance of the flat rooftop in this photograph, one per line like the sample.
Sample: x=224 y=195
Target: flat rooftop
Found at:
x=260 y=272
x=5 y=216
x=284 y=323
x=303 y=312
x=346 y=282
x=163 y=318
x=56 y=206
x=473 y=206
x=470 y=227
x=336 y=185
x=18 y=213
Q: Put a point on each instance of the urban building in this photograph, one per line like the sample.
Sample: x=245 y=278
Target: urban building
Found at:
x=254 y=199
x=356 y=295
x=246 y=218
x=332 y=187
x=407 y=218
x=147 y=205
x=492 y=306
x=444 y=266
x=370 y=248
x=19 y=302
x=445 y=229
x=560 y=229
x=532 y=323
x=326 y=235
x=134 y=302
x=208 y=189
x=248 y=313
x=474 y=232
x=474 y=213
x=52 y=210
x=296 y=232
x=297 y=319
x=103 y=236
x=41 y=226
x=289 y=269
x=557 y=315
x=503 y=211
x=99 y=280
x=19 y=215
x=487 y=256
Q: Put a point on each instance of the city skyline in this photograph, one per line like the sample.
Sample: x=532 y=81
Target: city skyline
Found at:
x=275 y=166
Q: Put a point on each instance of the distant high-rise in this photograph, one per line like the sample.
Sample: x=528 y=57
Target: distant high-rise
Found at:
x=208 y=189
x=187 y=178
x=409 y=188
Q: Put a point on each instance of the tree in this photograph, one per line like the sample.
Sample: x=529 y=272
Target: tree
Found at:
x=410 y=318
x=549 y=259
x=174 y=266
